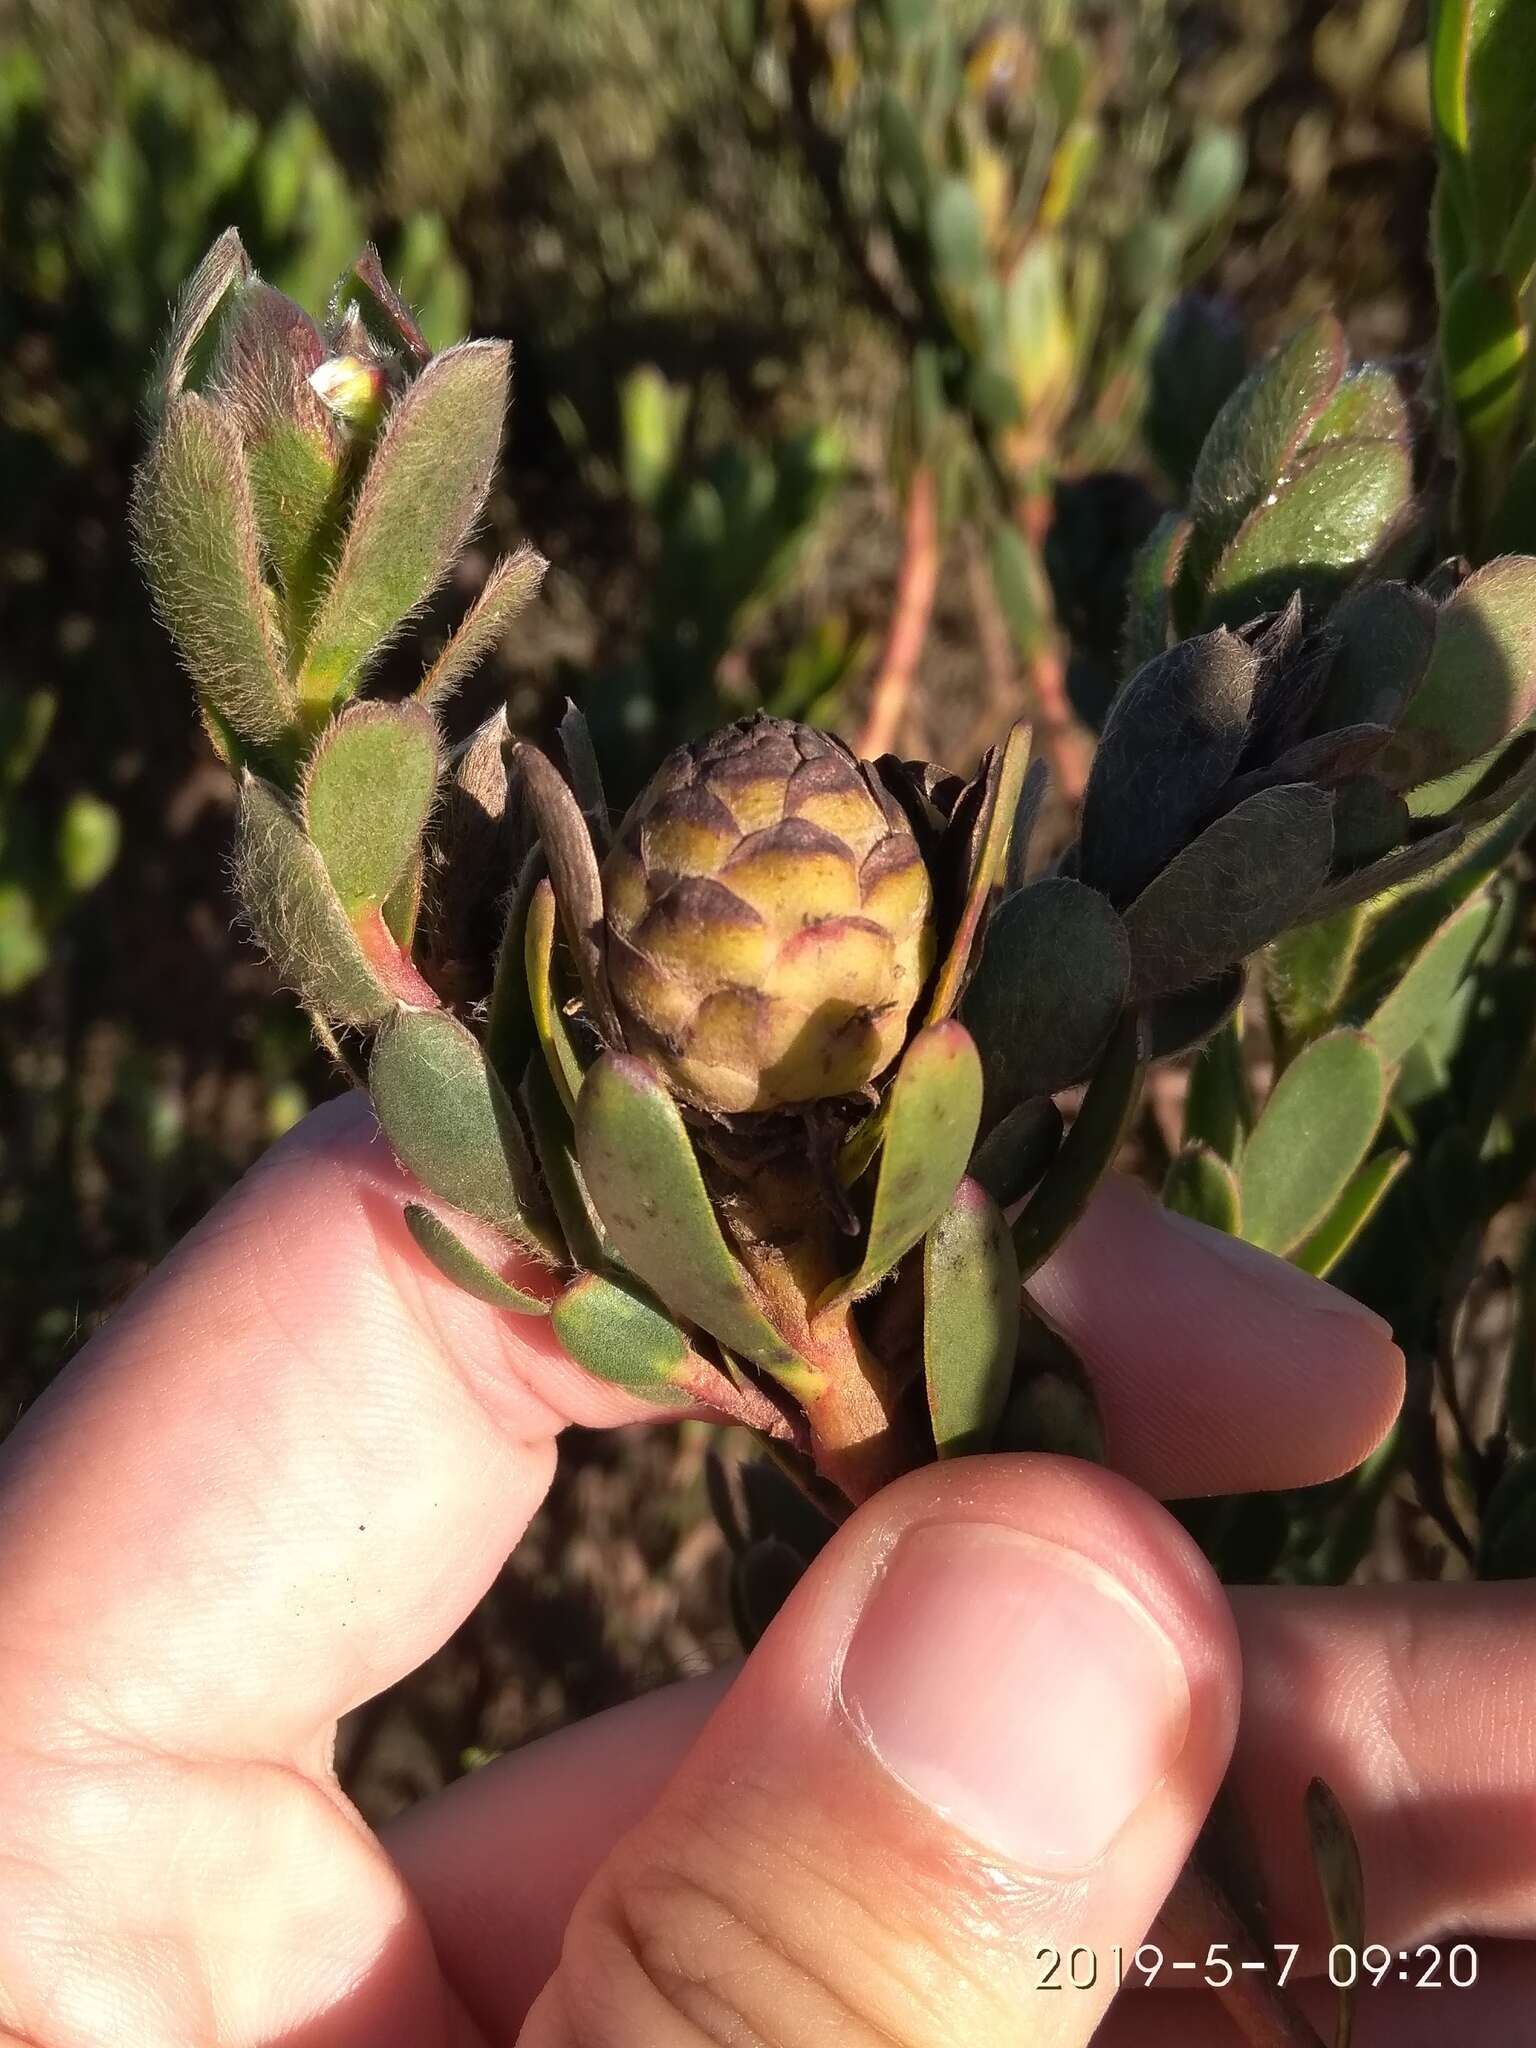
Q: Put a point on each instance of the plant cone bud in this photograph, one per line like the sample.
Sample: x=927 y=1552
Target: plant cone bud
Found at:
x=769 y=920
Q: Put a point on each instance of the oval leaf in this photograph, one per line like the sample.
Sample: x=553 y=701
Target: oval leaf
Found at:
x=450 y=1122
x=1170 y=742
x=1321 y=1252
x=367 y=791
x=1051 y=981
x=1397 y=1023
x=456 y=1262
x=970 y=1321
x=1327 y=520
x=614 y=1334
x=639 y=1166
x=297 y=916
x=1317 y=1127
x=1480 y=685
x=932 y=1112
x=1244 y=879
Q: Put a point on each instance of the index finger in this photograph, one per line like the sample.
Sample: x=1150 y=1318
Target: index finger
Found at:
x=281 y=1476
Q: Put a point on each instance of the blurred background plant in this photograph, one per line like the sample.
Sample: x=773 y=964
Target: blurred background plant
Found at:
x=767 y=268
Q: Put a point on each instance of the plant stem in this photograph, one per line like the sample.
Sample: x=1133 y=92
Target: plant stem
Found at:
x=916 y=587
x=1058 y=736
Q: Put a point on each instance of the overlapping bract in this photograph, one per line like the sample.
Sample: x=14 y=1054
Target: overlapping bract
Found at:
x=769 y=921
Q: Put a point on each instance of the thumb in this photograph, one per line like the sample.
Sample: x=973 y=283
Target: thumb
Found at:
x=964 y=1766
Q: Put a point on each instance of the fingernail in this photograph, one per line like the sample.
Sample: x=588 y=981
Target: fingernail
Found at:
x=1017 y=1689
x=1284 y=1282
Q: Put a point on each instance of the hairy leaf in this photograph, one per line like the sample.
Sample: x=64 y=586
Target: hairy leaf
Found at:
x=456 y=1262
x=297 y=916
x=1420 y=997
x=1246 y=877
x=1051 y=981
x=421 y=495
x=368 y=788
x=1172 y=738
x=1480 y=686
x=195 y=522
x=1316 y=530
x=505 y=593
x=452 y=1124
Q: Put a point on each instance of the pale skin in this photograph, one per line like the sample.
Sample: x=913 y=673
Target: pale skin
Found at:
x=290 y=1466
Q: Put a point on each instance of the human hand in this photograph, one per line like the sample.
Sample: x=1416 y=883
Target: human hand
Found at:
x=991 y=1720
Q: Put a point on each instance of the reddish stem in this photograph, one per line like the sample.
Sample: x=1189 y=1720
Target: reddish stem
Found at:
x=1057 y=735
x=916 y=587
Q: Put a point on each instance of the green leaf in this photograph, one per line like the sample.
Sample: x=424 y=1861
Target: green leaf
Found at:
x=297 y=916
x=421 y=495
x=1484 y=343
x=1202 y=1185
x=1324 y=523
x=1218 y=1109
x=1246 y=877
x=367 y=791
x=549 y=1023
x=456 y=1262
x=932 y=1112
x=1257 y=432
x=1209 y=180
x=957 y=237
x=1481 y=682
x=1052 y=979
x=1321 y=1251
x=1501 y=143
x=554 y=1145
x=1336 y=1856
x=970 y=1321
x=639 y=1166
x=1307 y=972
x=1170 y=743
x=1420 y=998
x=1368 y=406
x=505 y=593
x=200 y=314
x=451 y=1124
x=268 y=350
x=195 y=523
x=1089 y=1148
x=1317 y=1127
x=510 y=1034
x=617 y=1335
